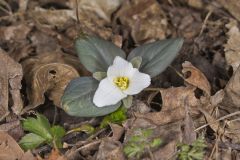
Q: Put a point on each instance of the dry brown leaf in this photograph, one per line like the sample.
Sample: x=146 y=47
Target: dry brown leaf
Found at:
x=232 y=92
x=100 y=8
x=47 y=75
x=16 y=33
x=139 y=15
x=117 y=131
x=110 y=149
x=232 y=48
x=52 y=17
x=189 y=135
x=13 y=127
x=10 y=150
x=197 y=78
x=170 y=134
x=10 y=82
x=233 y=6
x=177 y=97
x=174 y=100
x=228 y=130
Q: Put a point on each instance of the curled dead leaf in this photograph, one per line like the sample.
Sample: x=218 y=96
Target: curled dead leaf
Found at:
x=10 y=82
x=10 y=150
x=197 y=78
x=117 y=131
x=173 y=101
x=47 y=76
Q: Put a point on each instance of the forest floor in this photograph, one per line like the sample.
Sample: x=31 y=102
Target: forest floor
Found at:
x=193 y=115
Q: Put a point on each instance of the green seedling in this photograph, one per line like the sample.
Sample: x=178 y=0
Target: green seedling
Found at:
x=141 y=142
x=192 y=152
x=41 y=132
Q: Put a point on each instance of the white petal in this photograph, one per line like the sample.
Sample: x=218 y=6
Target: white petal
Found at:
x=138 y=81
x=120 y=68
x=107 y=94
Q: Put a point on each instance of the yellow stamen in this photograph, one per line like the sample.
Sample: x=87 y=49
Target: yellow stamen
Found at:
x=121 y=82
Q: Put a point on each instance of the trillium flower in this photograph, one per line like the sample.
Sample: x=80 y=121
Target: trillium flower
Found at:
x=122 y=80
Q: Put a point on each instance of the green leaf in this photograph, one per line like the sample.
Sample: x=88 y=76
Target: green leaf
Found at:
x=99 y=75
x=136 y=62
x=156 y=56
x=58 y=132
x=156 y=142
x=87 y=128
x=78 y=99
x=31 y=141
x=127 y=102
x=116 y=117
x=96 y=54
x=39 y=126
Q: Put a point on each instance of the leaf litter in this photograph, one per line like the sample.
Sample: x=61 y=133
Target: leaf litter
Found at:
x=197 y=97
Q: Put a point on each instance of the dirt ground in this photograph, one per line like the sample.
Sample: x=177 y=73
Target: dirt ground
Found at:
x=198 y=96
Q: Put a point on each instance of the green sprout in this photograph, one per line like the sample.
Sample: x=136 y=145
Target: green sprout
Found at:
x=192 y=152
x=116 y=117
x=41 y=132
x=139 y=143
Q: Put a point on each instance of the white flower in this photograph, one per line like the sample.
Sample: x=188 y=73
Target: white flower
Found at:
x=122 y=80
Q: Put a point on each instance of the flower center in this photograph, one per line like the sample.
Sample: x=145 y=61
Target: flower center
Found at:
x=121 y=82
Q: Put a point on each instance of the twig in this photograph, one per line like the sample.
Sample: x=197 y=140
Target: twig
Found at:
x=205 y=22
x=222 y=118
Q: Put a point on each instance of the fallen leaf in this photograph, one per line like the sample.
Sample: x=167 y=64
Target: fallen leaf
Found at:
x=189 y=135
x=13 y=127
x=232 y=92
x=15 y=33
x=10 y=82
x=110 y=149
x=170 y=134
x=196 y=78
x=10 y=150
x=232 y=48
x=139 y=15
x=47 y=75
x=232 y=6
x=117 y=131
x=173 y=101
x=101 y=8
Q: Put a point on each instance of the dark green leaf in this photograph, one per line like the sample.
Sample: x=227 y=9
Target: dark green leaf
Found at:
x=31 y=141
x=96 y=54
x=39 y=126
x=78 y=99
x=157 y=56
